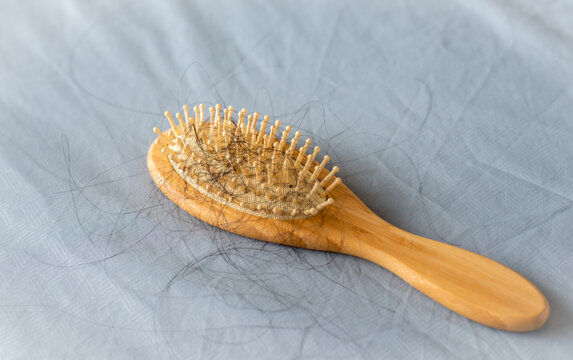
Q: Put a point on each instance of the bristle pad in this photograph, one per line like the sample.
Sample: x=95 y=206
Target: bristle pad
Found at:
x=248 y=169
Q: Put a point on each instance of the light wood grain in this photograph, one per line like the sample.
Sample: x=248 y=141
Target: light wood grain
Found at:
x=469 y=284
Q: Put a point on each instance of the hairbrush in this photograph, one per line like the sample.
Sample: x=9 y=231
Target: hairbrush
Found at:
x=254 y=182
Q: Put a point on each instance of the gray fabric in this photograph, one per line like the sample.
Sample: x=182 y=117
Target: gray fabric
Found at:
x=450 y=120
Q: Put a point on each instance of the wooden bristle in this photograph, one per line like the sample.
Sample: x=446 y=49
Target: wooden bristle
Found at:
x=262 y=129
x=333 y=185
x=170 y=119
x=301 y=153
x=319 y=168
x=329 y=176
x=180 y=118
x=188 y=118
x=198 y=119
x=294 y=141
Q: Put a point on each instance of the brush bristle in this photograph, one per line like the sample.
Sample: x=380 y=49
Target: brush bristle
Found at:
x=247 y=169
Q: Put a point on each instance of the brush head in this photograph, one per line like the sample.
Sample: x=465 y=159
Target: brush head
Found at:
x=245 y=168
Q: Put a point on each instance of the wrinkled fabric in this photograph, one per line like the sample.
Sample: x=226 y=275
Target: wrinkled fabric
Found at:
x=451 y=120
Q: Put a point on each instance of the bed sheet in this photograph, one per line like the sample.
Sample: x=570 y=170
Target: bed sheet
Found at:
x=452 y=120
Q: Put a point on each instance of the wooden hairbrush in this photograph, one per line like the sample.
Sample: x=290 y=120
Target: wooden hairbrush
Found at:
x=256 y=184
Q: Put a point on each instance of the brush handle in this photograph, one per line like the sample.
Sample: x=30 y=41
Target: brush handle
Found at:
x=469 y=284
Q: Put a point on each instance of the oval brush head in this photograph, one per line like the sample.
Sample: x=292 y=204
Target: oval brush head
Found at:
x=251 y=182
x=246 y=168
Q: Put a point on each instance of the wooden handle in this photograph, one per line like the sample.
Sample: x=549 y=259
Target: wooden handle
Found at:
x=469 y=284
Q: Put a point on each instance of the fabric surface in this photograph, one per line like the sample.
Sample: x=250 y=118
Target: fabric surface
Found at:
x=451 y=120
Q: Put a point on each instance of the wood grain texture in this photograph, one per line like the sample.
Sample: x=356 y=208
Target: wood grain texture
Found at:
x=467 y=283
